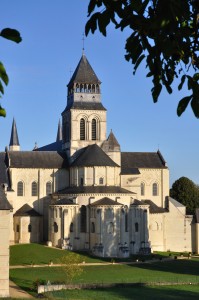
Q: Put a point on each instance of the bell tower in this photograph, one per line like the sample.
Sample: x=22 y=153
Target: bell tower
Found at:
x=84 y=118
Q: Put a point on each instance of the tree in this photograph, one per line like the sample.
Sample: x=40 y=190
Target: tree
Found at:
x=164 y=34
x=13 y=35
x=71 y=265
x=186 y=192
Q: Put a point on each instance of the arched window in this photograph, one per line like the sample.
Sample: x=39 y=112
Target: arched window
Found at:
x=34 y=189
x=77 y=88
x=155 y=189
x=71 y=227
x=82 y=129
x=92 y=227
x=20 y=189
x=89 y=88
x=136 y=227
x=29 y=228
x=83 y=217
x=94 y=129
x=97 y=89
x=101 y=180
x=81 y=88
x=142 y=189
x=93 y=88
x=48 y=188
x=55 y=227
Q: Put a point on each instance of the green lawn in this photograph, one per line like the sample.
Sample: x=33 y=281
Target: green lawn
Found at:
x=25 y=254
x=180 y=271
x=175 y=271
x=132 y=293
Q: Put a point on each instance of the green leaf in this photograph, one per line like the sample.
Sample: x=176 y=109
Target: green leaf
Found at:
x=91 y=6
x=1 y=88
x=196 y=76
x=91 y=25
x=3 y=74
x=11 y=34
x=103 y=21
x=182 y=82
x=182 y=105
x=138 y=62
x=156 y=92
x=2 y=112
x=195 y=106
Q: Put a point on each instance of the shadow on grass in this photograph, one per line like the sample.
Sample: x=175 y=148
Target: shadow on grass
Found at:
x=189 y=267
x=133 y=293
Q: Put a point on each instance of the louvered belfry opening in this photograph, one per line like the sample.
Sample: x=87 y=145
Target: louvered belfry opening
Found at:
x=82 y=129
x=94 y=128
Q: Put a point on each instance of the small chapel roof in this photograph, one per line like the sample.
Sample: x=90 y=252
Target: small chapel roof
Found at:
x=14 y=140
x=130 y=161
x=94 y=190
x=93 y=155
x=105 y=201
x=37 y=159
x=26 y=210
x=84 y=73
x=4 y=204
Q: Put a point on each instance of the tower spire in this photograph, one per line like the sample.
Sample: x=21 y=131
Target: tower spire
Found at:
x=14 y=140
x=59 y=132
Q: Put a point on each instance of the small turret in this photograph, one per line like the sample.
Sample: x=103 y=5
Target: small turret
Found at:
x=112 y=148
x=59 y=132
x=14 y=140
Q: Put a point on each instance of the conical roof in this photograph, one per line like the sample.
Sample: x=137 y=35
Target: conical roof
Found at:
x=93 y=155
x=4 y=204
x=59 y=132
x=84 y=73
x=14 y=140
x=111 y=144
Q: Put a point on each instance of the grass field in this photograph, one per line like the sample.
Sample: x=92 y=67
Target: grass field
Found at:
x=26 y=254
x=134 y=293
x=179 y=271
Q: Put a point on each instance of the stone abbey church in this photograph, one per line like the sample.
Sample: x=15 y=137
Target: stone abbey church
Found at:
x=82 y=192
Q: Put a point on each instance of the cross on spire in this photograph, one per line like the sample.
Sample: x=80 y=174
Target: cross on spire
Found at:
x=83 y=39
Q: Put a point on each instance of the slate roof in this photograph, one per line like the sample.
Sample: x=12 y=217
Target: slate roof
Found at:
x=95 y=190
x=105 y=201
x=37 y=159
x=4 y=204
x=93 y=155
x=111 y=144
x=64 y=201
x=84 y=106
x=130 y=161
x=84 y=73
x=153 y=208
x=14 y=140
x=26 y=211
x=56 y=146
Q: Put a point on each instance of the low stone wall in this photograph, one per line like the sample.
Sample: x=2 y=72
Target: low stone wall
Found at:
x=56 y=287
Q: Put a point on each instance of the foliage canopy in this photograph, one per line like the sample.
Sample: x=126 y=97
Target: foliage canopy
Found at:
x=164 y=34
x=186 y=192
x=71 y=266
x=12 y=35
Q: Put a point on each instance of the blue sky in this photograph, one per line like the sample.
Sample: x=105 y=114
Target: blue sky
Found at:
x=39 y=70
